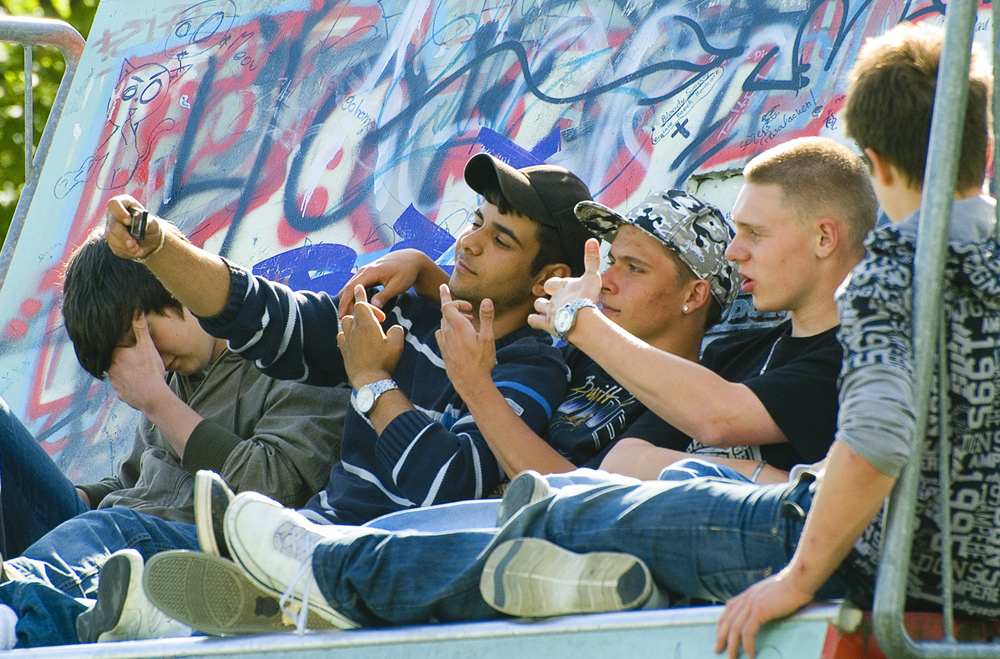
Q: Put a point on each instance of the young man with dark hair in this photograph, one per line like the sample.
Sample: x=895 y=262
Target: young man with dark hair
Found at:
x=409 y=440
x=211 y=411
x=538 y=561
x=666 y=282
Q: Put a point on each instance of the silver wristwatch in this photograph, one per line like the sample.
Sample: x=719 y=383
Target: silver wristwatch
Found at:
x=365 y=399
x=566 y=316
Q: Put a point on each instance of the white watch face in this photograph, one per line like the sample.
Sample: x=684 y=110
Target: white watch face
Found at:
x=563 y=320
x=365 y=399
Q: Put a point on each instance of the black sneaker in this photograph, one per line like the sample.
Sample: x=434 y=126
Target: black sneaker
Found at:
x=212 y=595
x=211 y=499
x=122 y=611
x=531 y=577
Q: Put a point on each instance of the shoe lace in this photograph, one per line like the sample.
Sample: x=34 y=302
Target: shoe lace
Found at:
x=298 y=543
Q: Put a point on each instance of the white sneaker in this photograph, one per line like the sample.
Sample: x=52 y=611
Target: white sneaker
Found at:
x=274 y=546
x=122 y=612
x=8 y=627
x=532 y=577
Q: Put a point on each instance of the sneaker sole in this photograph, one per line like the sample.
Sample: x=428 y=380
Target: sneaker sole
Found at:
x=212 y=595
x=112 y=591
x=530 y=577
x=523 y=491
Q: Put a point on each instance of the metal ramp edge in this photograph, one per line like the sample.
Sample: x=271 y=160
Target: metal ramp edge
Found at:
x=674 y=633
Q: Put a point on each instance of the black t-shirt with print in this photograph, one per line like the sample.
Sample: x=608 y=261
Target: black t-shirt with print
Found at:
x=594 y=412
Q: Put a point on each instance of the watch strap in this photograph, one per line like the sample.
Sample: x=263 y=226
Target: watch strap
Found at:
x=376 y=388
x=573 y=307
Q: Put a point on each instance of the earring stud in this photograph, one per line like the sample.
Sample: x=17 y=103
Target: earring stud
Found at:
x=685 y=308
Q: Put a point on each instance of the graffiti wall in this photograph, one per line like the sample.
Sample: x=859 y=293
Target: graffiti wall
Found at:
x=307 y=137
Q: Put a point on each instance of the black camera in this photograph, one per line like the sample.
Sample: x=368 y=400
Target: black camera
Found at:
x=139 y=220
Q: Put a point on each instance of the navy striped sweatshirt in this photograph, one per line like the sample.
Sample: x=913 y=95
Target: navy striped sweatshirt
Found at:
x=431 y=454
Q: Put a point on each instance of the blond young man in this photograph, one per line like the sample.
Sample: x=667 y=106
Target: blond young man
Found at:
x=801 y=218
x=598 y=545
x=876 y=416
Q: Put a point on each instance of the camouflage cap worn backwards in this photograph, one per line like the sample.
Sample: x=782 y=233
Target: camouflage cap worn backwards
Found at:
x=696 y=231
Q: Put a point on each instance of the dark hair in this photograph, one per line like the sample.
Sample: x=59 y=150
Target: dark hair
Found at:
x=549 y=245
x=891 y=96
x=101 y=295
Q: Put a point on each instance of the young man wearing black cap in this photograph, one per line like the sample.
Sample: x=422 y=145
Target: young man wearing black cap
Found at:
x=795 y=254
x=663 y=287
x=409 y=441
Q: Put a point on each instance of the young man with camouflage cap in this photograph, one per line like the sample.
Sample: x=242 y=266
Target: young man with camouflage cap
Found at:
x=408 y=441
x=660 y=287
x=666 y=531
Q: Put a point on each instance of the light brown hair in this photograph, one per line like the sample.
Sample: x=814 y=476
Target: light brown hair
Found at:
x=891 y=96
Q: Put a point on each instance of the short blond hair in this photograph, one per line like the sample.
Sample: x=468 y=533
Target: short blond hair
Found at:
x=820 y=178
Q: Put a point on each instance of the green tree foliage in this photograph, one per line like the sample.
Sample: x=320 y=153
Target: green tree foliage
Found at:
x=47 y=71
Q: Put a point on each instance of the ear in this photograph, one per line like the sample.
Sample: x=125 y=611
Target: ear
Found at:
x=699 y=295
x=882 y=171
x=828 y=236
x=546 y=273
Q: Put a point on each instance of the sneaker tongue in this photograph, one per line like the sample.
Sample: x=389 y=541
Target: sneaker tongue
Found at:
x=295 y=542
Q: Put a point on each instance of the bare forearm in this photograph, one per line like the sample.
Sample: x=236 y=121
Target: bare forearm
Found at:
x=850 y=494
x=690 y=397
x=430 y=279
x=639 y=459
x=198 y=279
x=516 y=447
x=174 y=419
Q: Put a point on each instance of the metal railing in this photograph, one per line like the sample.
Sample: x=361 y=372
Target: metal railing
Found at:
x=929 y=347
x=31 y=32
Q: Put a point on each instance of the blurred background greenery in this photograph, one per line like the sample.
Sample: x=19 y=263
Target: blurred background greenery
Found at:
x=47 y=71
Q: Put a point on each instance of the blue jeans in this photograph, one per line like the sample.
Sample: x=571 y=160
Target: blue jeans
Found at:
x=50 y=576
x=704 y=531
x=36 y=496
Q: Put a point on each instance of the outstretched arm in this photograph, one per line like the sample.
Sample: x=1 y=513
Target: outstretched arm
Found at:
x=689 y=396
x=469 y=358
x=198 y=279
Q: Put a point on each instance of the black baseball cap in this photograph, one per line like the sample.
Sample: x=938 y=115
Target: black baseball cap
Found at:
x=545 y=193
